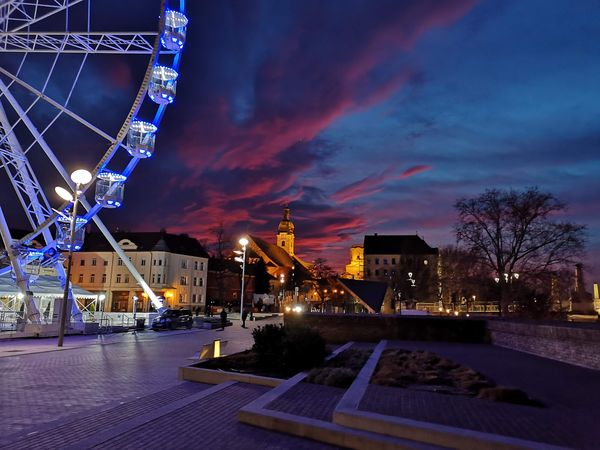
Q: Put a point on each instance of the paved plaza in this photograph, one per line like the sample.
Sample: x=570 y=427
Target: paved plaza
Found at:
x=55 y=398
x=121 y=391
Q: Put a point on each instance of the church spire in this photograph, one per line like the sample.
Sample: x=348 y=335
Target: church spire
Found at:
x=285 y=232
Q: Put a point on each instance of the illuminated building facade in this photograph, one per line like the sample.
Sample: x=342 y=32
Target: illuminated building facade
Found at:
x=174 y=266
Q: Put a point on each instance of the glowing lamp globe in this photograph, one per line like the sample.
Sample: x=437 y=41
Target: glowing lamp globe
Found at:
x=81 y=176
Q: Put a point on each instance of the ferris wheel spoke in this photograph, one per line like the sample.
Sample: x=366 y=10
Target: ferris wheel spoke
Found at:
x=49 y=100
x=101 y=43
x=20 y=14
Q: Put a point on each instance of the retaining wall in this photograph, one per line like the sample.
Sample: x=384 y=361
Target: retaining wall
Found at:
x=561 y=342
x=339 y=328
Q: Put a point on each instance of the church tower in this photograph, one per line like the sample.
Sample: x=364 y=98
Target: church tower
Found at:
x=285 y=233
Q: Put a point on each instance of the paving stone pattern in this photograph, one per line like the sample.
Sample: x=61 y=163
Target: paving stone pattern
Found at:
x=51 y=386
x=309 y=400
x=210 y=423
x=81 y=428
x=525 y=422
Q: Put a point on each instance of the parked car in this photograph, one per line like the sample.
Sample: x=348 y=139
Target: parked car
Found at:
x=173 y=318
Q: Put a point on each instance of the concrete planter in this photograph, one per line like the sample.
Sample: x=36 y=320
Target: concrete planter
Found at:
x=210 y=376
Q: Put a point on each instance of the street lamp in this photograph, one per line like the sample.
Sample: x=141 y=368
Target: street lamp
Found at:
x=243 y=242
x=282 y=281
x=80 y=177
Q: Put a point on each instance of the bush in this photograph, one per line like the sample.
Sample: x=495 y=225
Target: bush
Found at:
x=332 y=376
x=288 y=349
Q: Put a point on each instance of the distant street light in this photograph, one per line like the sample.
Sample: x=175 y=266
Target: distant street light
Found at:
x=80 y=177
x=243 y=242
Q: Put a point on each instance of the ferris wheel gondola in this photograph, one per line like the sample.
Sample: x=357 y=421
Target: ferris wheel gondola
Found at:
x=53 y=29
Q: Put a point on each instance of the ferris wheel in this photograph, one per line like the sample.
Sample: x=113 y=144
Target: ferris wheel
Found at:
x=51 y=56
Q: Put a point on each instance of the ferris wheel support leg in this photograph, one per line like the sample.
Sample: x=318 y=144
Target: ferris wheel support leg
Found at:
x=158 y=305
x=33 y=314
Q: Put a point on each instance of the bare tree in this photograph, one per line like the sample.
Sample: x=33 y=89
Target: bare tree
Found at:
x=515 y=232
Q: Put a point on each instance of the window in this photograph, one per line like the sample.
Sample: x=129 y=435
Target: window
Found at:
x=377 y=261
x=94 y=261
x=385 y=272
x=195 y=281
x=103 y=278
x=184 y=264
x=126 y=278
x=80 y=279
x=181 y=298
x=143 y=262
x=195 y=265
x=93 y=278
x=193 y=298
x=160 y=262
x=377 y=272
x=120 y=262
x=82 y=262
x=183 y=281
x=158 y=278
x=202 y=266
x=283 y=243
x=385 y=261
x=153 y=262
x=105 y=262
x=201 y=281
x=393 y=261
x=368 y=273
x=118 y=278
x=200 y=298
x=153 y=278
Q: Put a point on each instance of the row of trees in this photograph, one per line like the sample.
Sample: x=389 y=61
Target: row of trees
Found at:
x=513 y=246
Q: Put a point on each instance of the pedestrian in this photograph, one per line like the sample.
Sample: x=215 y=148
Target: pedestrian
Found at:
x=223 y=319
x=244 y=317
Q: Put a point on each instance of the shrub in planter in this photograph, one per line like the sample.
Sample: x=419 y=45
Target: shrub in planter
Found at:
x=268 y=345
x=303 y=348
x=288 y=349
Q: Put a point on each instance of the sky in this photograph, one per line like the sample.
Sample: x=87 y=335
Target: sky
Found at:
x=369 y=117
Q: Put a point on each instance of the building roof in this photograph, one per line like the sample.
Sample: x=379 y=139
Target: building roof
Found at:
x=42 y=286
x=273 y=252
x=401 y=244
x=370 y=293
x=181 y=244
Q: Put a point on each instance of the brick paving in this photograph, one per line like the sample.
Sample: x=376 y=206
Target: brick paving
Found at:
x=54 y=386
x=210 y=423
x=309 y=400
x=81 y=428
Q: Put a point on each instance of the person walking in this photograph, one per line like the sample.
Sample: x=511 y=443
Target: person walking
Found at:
x=223 y=319
x=244 y=317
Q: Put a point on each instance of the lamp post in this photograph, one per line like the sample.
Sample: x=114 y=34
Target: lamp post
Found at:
x=282 y=281
x=80 y=177
x=243 y=242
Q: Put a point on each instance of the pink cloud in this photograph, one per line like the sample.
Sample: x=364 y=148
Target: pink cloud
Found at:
x=415 y=170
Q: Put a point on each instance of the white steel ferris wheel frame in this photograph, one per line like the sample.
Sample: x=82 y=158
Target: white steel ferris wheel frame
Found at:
x=16 y=18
